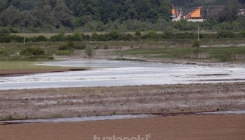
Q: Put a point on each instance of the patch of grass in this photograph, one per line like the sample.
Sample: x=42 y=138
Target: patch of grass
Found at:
x=126 y=59
x=217 y=53
x=9 y=118
x=64 y=52
x=25 y=65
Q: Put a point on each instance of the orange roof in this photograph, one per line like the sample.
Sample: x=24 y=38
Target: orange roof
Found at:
x=173 y=11
x=196 y=13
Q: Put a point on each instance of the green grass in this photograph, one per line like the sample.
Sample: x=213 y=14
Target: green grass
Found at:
x=219 y=53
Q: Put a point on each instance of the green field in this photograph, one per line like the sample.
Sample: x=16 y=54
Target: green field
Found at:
x=218 y=53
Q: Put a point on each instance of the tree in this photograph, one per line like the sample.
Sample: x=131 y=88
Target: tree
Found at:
x=27 y=5
x=227 y=14
x=10 y=16
x=42 y=11
x=89 y=50
x=138 y=33
x=61 y=15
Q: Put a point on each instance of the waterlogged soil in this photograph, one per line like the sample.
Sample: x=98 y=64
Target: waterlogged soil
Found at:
x=125 y=73
x=28 y=72
x=201 y=127
x=104 y=101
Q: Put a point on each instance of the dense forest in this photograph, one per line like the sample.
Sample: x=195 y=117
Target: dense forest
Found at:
x=107 y=15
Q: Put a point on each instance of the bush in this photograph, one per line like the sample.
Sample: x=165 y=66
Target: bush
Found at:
x=138 y=33
x=89 y=50
x=3 y=52
x=64 y=52
x=226 y=34
x=41 y=38
x=13 y=29
x=4 y=31
x=196 y=43
x=5 y=39
x=68 y=46
x=64 y=47
x=32 y=51
x=81 y=47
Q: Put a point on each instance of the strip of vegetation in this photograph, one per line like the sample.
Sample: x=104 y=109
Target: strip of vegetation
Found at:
x=117 y=36
x=219 y=54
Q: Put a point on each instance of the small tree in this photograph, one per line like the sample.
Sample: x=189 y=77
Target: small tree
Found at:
x=89 y=50
x=70 y=44
x=138 y=33
x=32 y=51
x=196 y=43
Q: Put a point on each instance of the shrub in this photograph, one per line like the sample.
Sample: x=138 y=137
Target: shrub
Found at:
x=68 y=46
x=13 y=29
x=151 y=33
x=225 y=34
x=114 y=35
x=64 y=47
x=89 y=50
x=32 y=51
x=81 y=47
x=242 y=33
x=5 y=39
x=16 y=38
x=3 y=52
x=64 y=52
x=41 y=38
x=77 y=36
x=226 y=56
x=196 y=43
x=138 y=33
x=4 y=31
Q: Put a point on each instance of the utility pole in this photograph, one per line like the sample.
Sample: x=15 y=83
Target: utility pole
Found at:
x=24 y=35
x=198 y=33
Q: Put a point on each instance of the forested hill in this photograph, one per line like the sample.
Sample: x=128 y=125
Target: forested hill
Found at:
x=194 y=3
x=95 y=15
x=69 y=13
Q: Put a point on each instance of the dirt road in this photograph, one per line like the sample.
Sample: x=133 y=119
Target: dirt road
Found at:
x=201 y=127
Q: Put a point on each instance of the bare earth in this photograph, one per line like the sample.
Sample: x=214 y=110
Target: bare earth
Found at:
x=165 y=99
x=203 y=127
x=96 y=101
x=25 y=72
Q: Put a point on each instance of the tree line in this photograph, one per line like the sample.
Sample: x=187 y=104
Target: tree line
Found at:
x=114 y=35
x=76 y=13
x=107 y=15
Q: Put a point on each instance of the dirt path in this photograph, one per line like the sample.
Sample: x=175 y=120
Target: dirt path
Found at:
x=204 y=127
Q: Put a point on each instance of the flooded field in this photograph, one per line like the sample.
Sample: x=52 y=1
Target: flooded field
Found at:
x=122 y=73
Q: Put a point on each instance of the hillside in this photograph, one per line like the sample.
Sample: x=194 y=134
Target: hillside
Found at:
x=67 y=13
x=194 y=3
x=93 y=15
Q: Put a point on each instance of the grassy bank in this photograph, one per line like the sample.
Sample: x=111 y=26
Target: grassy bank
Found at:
x=212 y=49
x=25 y=65
x=215 y=53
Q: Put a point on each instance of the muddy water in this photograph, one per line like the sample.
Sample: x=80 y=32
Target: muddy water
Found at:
x=79 y=119
x=115 y=117
x=122 y=73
